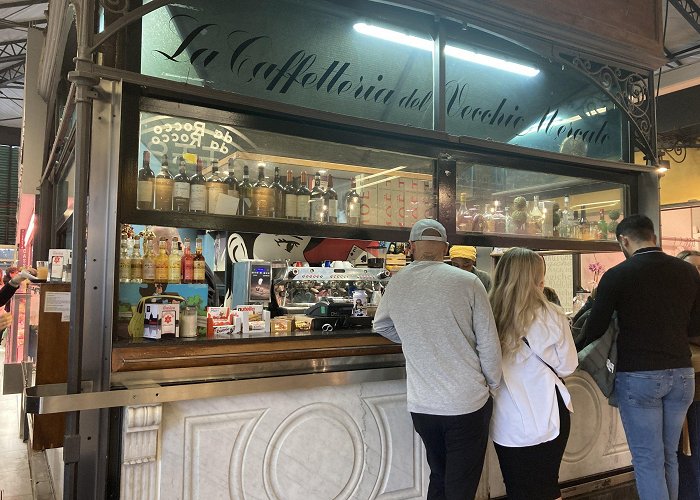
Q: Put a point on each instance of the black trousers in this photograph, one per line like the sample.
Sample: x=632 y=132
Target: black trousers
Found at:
x=455 y=446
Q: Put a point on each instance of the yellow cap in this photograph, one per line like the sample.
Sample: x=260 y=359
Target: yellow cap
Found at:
x=463 y=252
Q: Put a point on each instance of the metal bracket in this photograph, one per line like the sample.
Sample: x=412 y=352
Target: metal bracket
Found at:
x=71 y=448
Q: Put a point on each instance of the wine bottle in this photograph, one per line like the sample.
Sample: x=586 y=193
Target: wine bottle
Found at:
x=353 y=205
x=279 y=192
x=303 y=198
x=231 y=182
x=263 y=196
x=164 y=187
x=145 y=189
x=246 y=191
x=198 y=191
x=215 y=187
x=331 y=199
x=317 y=212
x=181 y=189
x=290 y=197
x=198 y=263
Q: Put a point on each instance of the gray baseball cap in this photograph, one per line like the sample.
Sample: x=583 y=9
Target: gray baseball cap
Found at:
x=420 y=227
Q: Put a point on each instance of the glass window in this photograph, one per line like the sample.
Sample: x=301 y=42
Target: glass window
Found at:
x=219 y=169
x=64 y=193
x=318 y=54
x=500 y=91
x=502 y=200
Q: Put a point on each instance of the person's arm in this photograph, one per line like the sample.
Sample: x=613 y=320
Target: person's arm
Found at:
x=382 y=323
x=6 y=292
x=488 y=345
x=603 y=308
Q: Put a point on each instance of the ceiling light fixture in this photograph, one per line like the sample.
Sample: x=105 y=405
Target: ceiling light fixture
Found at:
x=456 y=52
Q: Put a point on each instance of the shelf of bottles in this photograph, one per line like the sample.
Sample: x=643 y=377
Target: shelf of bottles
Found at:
x=504 y=202
x=280 y=177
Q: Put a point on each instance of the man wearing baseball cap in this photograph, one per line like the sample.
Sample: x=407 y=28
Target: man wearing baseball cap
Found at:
x=464 y=257
x=442 y=318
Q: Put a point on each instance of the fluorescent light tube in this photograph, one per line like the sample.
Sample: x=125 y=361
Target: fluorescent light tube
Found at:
x=456 y=52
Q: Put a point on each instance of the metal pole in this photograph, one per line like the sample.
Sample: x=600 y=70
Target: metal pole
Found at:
x=84 y=93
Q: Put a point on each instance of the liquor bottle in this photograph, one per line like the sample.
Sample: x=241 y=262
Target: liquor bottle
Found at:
x=488 y=219
x=279 y=191
x=136 y=262
x=245 y=189
x=317 y=212
x=198 y=264
x=263 y=196
x=602 y=233
x=124 y=261
x=146 y=184
x=499 y=220
x=175 y=262
x=164 y=187
x=331 y=200
x=303 y=198
x=231 y=181
x=583 y=226
x=162 y=262
x=198 y=191
x=565 y=219
x=535 y=218
x=477 y=219
x=215 y=187
x=464 y=219
x=187 y=263
x=290 y=197
x=181 y=190
x=353 y=205
x=574 y=229
x=149 y=263
x=508 y=221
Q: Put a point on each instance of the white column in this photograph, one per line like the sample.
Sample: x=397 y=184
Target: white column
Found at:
x=139 y=470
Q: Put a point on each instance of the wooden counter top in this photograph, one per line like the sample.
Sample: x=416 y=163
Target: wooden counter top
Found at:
x=144 y=354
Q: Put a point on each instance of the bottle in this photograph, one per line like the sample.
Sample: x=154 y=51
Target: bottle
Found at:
x=317 y=202
x=290 y=197
x=148 y=274
x=198 y=191
x=279 y=191
x=535 y=218
x=499 y=220
x=198 y=264
x=508 y=221
x=187 y=263
x=146 y=184
x=488 y=219
x=331 y=201
x=464 y=219
x=353 y=205
x=263 y=196
x=565 y=219
x=477 y=219
x=175 y=262
x=124 y=261
x=303 y=198
x=181 y=189
x=136 y=262
x=245 y=188
x=215 y=187
x=602 y=233
x=164 y=187
x=574 y=229
x=162 y=262
x=231 y=182
x=583 y=226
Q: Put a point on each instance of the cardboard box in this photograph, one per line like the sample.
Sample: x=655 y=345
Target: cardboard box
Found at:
x=161 y=319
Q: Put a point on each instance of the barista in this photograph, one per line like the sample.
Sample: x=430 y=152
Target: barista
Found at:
x=464 y=257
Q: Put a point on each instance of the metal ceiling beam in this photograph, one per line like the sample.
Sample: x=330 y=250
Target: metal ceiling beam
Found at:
x=12 y=73
x=21 y=3
x=15 y=50
x=689 y=10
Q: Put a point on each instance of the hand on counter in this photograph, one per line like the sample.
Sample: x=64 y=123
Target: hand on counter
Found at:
x=28 y=273
x=5 y=320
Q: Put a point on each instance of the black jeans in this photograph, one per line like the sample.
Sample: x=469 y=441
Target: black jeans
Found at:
x=455 y=446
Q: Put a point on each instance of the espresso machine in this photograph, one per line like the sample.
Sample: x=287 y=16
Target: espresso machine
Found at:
x=252 y=283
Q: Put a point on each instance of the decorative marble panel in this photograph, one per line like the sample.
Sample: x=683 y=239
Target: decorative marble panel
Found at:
x=139 y=470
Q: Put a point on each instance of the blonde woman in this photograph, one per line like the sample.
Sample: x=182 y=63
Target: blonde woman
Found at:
x=530 y=423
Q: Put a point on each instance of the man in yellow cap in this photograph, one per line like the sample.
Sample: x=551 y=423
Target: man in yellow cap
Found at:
x=464 y=257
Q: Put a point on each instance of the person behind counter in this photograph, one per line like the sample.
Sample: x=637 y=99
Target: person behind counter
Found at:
x=531 y=421
x=442 y=318
x=657 y=299
x=464 y=257
x=6 y=292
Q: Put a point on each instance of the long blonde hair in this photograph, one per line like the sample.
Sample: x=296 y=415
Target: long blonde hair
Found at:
x=516 y=296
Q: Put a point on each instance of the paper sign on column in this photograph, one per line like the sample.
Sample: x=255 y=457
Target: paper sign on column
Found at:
x=58 y=302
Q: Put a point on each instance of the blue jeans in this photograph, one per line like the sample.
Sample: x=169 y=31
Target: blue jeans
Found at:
x=689 y=467
x=652 y=406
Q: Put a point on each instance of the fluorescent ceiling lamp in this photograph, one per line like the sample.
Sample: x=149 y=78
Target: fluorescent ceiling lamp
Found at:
x=456 y=52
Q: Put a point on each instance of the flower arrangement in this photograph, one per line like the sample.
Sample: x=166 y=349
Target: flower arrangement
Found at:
x=597 y=269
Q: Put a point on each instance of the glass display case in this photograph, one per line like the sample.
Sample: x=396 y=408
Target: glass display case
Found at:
x=21 y=341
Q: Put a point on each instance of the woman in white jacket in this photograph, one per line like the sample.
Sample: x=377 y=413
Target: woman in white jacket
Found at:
x=531 y=421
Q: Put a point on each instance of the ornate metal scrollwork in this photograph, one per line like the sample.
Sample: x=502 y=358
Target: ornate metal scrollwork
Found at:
x=628 y=89
x=116 y=6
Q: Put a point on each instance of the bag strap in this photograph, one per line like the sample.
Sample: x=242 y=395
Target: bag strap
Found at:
x=543 y=361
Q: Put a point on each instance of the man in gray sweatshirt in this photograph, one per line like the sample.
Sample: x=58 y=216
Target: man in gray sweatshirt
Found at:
x=441 y=316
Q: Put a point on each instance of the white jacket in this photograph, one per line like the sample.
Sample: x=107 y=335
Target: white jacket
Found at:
x=525 y=410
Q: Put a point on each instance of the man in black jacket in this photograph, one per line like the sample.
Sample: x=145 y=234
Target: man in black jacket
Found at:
x=657 y=299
